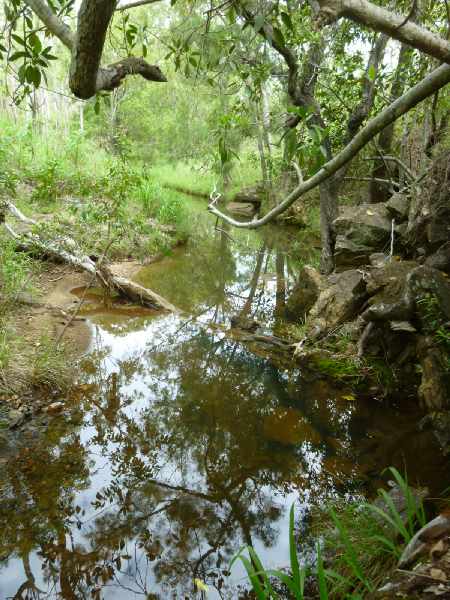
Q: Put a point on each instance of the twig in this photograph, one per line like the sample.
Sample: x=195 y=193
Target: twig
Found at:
x=83 y=297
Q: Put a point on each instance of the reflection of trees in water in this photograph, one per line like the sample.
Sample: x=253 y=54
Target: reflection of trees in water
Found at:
x=202 y=440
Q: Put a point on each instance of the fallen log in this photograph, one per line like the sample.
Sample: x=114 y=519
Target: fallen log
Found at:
x=31 y=242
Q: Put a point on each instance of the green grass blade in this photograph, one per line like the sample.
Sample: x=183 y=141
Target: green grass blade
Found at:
x=295 y=567
x=350 y=556
x=254 y=579
x=321 y=578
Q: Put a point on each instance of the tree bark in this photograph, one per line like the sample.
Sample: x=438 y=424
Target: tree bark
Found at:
x=377 y=192
x=388 y=22
x=86 y=77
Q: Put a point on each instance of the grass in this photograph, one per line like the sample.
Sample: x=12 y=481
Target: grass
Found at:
x=23 y=364
x=364 y=544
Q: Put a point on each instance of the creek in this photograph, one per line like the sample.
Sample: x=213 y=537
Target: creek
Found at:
x=180 y=444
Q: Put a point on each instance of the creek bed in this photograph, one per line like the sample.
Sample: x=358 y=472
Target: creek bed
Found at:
x=180 y=445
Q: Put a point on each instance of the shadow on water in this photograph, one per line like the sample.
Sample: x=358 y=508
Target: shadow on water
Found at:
x=181 y=445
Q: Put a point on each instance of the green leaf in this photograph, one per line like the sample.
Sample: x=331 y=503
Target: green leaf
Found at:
x=258 y=23
x=371 y=73
x=295 y=567
x=286 y=18
x=323 y=592
x=18 y=55
x=35 y=43
x=33 y=75
x=18 y=39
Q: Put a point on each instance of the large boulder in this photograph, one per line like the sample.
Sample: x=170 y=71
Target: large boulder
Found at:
x=339 y=302
x=251 y=195
x=398 y=207
x=304 y=294
x=246 y=209
x=440 y=259
x=360 y=231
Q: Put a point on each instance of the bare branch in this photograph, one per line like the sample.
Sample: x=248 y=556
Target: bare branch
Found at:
x=52 y=22
x=135 y=4
x=425 y=88
x=386 y=21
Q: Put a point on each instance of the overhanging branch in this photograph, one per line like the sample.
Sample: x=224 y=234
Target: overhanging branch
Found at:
x=436 y=80
x=86 y=76
x=388 y=22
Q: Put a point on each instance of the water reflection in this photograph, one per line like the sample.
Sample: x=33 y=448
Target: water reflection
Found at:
x=182 y=445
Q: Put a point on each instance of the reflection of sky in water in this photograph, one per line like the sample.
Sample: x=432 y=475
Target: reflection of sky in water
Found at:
x=231 y=440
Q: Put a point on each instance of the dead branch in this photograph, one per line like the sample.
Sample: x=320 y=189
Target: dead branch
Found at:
x=31 y=242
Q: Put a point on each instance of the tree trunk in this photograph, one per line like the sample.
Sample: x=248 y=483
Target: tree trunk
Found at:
x=377 y=191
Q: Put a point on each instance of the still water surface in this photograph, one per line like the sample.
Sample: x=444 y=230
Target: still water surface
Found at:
x=181 y=445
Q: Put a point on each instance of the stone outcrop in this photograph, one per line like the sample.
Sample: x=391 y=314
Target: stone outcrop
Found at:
x=340 y=301
x=398 y=207
x=361 y=231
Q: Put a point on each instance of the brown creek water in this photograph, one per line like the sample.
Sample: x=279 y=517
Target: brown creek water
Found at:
x=180 y=445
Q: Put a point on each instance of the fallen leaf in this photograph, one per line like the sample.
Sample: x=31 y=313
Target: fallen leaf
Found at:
x=200 y=585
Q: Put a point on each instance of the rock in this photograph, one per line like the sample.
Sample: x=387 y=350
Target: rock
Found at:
x=55 y=407
x=439 y=422
x=252 y=195
x=241 y=208
x=399 y=500
x=438 y=226
x=244 y=323
x=427 y=282
x=440 y=259
x=398 y=207
x=339 y=302
x=360 y=231
x=434 y=389
x=378 y=259
x=435 y=529
x=15 y=418
x=402 y=326
x=304 y=294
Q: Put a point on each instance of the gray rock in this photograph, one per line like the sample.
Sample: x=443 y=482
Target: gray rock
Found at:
x=340 y=301
x=378 y=259
x=253 y=195
x=440 y=259
x=241 y=208
x=398 y=207
x=15 y=418
x=361 y=231
x=426 y=282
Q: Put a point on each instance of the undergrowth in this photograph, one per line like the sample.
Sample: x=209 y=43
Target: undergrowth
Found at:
x=360 y=541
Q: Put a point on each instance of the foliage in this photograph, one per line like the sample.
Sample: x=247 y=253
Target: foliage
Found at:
x=15 y=273
x=360 y=549
x=435 y=322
